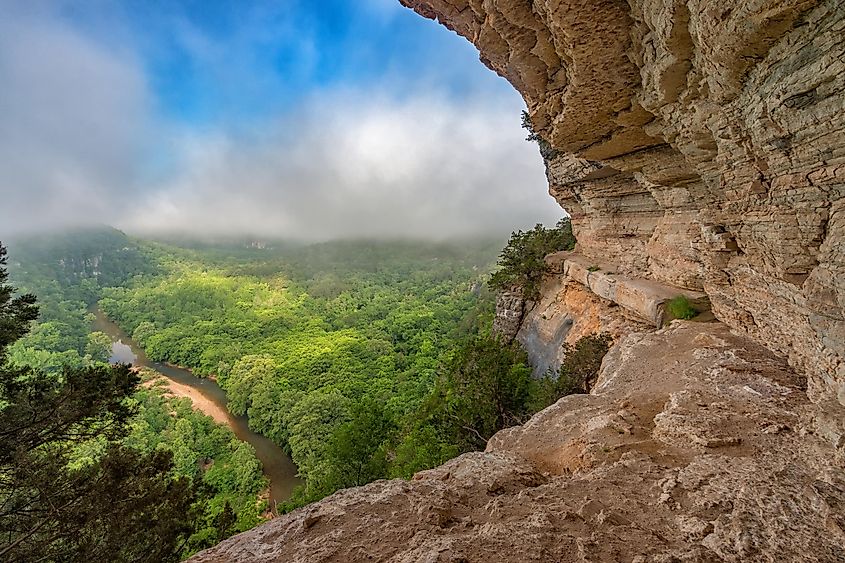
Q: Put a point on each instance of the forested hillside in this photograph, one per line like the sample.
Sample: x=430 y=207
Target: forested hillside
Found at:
x=330 y=349
x=222 y=474
x=67 y=272
x=362 y=359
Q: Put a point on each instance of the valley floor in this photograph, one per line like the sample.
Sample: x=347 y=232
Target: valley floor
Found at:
x=198 y=401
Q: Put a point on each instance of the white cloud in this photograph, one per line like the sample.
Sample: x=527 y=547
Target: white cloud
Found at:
x=360 y=165
x=80 y=142
x=72 y=121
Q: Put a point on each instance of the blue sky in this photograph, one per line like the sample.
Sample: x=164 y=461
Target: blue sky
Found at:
x=213 y=62
x=309 y=119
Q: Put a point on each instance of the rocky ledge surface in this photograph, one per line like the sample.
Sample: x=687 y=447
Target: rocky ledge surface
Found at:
x=696 y=445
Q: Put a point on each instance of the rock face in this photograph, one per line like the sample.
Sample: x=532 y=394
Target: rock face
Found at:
x=700 y=144
x=510 y=310
x=691 y=448
x=566 y=311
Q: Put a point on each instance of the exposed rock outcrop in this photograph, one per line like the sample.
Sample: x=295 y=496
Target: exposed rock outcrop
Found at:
x=566 y=312
x=701 y=144
x=510 y=310
x=691 y=448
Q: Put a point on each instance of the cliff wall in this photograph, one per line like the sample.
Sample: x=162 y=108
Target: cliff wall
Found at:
x=567 y=310
x=696 y=143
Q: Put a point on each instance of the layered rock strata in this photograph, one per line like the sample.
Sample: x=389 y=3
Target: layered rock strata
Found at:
x=581 y=296
x=566 y=312
x=569 y=308
x=645 y=298
x=699 y=144
x=692 y=447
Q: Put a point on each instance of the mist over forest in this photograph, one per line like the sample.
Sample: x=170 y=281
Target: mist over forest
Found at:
x=292 y=280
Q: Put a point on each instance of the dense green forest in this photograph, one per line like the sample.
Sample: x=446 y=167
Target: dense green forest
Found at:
x=302 y=338
x=62 y=498
x=362 y=359
x=224 y=470
x=68 y=274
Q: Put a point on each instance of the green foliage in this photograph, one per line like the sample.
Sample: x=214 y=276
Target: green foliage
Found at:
x=117 y=505
x=421 y=447
x=123 y=507
x=98 y=347
x=311 y=422
x=521 y=262
x=486 y=387
x=582 y=362
x=354 y=453
x=577 y=373
x=81 y=261
x=681 y=308
x=342 y=353
x=68 y=272
x=299 y=337
x=357 y=449
x=204 y=480
x=225 y=521
x=593 y=269
x=250 y=375
x=16 y=313
x=223 y=468
x=546 y=150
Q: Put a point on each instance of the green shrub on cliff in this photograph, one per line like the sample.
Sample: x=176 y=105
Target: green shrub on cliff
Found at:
x=546 y=149
x=681 y=308
x=582 y=361
x=521 y=262
x=486 y=386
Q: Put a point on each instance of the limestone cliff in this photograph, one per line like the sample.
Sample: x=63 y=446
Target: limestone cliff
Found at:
x=699 y=147
x=699 y=143
x=569 y=309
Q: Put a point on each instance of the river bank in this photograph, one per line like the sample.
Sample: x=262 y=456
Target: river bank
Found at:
x=208 y=397
x=198 y=400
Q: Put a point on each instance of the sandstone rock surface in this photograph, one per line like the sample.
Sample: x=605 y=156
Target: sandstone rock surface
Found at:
x=692 y=447
x=565 y=313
